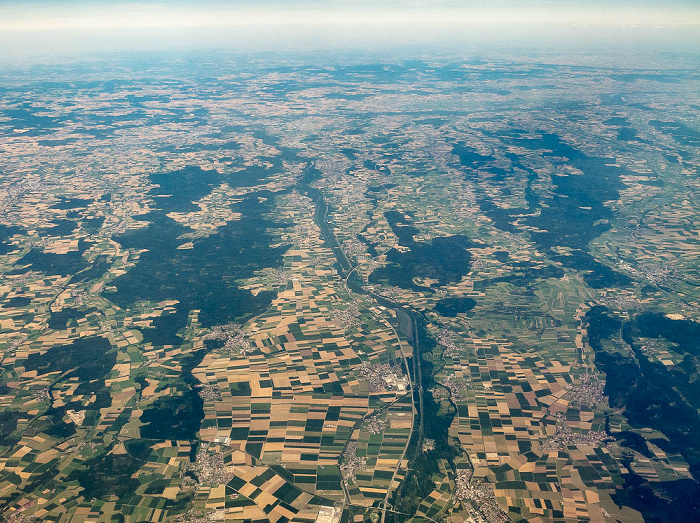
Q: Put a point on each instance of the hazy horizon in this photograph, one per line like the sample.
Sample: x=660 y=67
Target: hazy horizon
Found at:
x=33 y=30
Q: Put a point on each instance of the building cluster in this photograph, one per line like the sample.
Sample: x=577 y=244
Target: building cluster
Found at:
x=42 y=394
x=81 y=446
x=208 y=468
x=391 y=292
x=275 y=276
x=621 y=302
x=235 y=341
x=197 y=516
x=352 y=248
x=458 y=387
x=375 y=424
x=654 y=272
x=346 y=318
x=19 y=517
x=589 y=392
x=650 y=346
x=478 y=494
x=383 y=376
x=210 y=392
x=329 y=514
x=446 y=338
x=351 y=464
x=565 y=437
x=478 y=264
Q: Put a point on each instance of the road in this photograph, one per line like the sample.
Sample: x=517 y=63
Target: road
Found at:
x=403 y=313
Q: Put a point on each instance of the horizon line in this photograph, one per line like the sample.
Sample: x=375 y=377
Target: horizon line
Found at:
x=145 y=16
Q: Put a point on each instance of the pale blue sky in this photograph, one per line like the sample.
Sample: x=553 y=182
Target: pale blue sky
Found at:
x=23 y=12
x=39 y=26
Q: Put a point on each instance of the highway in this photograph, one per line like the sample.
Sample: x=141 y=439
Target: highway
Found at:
x=407 y=319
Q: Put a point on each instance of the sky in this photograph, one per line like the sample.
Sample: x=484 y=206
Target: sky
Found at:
x=50 y=26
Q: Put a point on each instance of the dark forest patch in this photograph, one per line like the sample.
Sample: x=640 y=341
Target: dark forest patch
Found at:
x=450 y=307
x=654 y=396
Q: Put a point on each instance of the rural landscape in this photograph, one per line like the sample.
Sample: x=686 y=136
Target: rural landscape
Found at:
x=348 y=291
